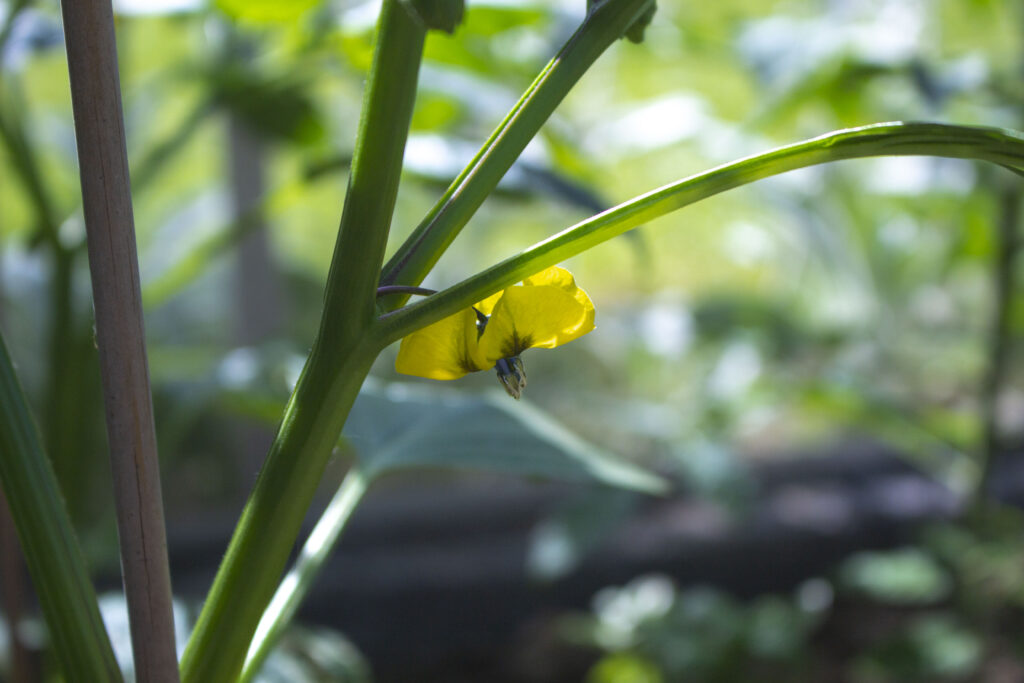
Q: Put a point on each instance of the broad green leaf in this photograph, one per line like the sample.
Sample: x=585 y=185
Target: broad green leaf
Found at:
x=403 y=426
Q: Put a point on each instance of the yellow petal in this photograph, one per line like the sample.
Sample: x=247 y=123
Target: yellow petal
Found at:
x=560 y=277
x=444 y=350
x=529 y=316
x=555 y=276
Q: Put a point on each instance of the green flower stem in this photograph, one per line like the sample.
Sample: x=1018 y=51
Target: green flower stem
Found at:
x=385 y=290
x=51 y=550
x=886 y=139
x=300 y=579
x=414 y=259
x=341 y=357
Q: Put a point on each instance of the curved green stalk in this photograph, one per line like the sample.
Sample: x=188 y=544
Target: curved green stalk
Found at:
x=418 y=254
x=1001 y=147
x=337 y=365
x=299 y=580
x=51 y=550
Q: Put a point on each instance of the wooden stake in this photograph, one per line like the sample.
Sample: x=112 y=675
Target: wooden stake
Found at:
x=113 y=263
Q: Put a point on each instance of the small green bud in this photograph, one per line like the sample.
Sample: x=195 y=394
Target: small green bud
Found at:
x=441 y=15
x=635 y=32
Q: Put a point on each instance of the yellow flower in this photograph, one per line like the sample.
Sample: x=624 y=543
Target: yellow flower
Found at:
x=544 y=310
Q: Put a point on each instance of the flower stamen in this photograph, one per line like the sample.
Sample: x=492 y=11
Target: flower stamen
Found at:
x=512 y=375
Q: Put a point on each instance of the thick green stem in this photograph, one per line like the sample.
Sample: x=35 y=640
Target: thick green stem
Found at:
x=345 y=347
x=51 y=550
x=414 y=259
x=273 y=515
x=376 y=168
x=300 y=579
x=886 y=139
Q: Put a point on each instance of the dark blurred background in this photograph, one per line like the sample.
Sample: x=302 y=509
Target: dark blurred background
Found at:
x=823 y=364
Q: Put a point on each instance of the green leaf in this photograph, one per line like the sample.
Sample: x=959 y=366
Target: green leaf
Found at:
x=403 y=426
x=48 y=541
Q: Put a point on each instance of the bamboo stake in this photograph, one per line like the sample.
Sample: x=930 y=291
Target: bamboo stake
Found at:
x=113 y=263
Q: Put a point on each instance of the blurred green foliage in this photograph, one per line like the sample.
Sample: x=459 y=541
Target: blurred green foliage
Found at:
x=657 y=633
x=837 y=301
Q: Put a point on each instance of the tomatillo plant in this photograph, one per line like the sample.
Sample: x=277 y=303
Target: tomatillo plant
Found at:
x=485 y=321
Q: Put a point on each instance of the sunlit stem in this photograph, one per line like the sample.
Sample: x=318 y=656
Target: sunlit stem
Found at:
x=998 y=146
x=605 y=23
x=345 y=347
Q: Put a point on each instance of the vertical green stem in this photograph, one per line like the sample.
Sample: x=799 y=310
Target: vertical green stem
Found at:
x=414 y=259
x=51 y=550
x=376 y=169
x=341 y=357
x=299 y=580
